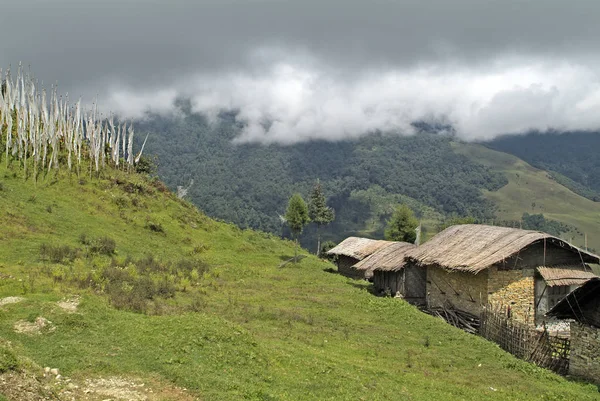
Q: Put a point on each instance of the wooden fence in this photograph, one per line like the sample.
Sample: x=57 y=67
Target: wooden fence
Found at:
x=525 y=342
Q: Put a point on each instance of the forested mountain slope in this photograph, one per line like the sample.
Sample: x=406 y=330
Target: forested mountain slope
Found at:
x=134 y=294
x=438 y=177
x=249 y=184
x=535 y=191
x=572 y=158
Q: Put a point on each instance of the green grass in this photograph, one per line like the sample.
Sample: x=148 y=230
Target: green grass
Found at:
x=528 y=185
x=259 y=332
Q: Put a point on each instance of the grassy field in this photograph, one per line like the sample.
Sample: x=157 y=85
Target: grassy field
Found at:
x=534 y=191
x=240 y=327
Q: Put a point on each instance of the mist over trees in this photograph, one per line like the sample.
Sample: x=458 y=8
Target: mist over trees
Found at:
x=249 y=184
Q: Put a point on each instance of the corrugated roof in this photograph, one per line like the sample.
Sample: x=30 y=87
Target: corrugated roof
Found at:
x=474 y=247
x=358 y=248
x=564 y=275
x=389 y=258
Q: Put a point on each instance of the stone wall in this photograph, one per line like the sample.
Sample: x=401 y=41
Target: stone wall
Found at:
x=514 y=289
x=585 y=352
x=465 y=291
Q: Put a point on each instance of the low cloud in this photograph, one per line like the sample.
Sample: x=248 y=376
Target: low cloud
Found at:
x=286 y=101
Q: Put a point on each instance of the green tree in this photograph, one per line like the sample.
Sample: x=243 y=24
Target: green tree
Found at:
x=402 y=225
x=296 y=216
x=319 y=212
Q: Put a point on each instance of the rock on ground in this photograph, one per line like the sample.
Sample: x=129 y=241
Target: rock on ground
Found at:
x=10 y=300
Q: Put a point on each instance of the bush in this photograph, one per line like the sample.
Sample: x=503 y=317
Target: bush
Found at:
x=8 y=360
x=155 y=227
x=149 y=265
x=146 y=165
x=58 y=253
x=103 y=246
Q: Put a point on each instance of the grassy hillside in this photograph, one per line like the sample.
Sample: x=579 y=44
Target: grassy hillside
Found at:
x=534 y=191
x=570 y=156
x=221 y=320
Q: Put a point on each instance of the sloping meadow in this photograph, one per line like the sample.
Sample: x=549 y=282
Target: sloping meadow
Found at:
x=164 y=292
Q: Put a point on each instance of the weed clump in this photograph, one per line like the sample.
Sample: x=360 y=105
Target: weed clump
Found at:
x=8 y=360
x=103 y=246
x=58 y=253
x=99 y=246
x=155 y=227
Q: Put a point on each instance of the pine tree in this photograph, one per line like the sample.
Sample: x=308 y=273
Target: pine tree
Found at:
x=402 y=226
x=296 y=216
x=319 y=212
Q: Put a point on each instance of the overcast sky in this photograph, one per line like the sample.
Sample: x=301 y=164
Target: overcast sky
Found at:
x=306 y=69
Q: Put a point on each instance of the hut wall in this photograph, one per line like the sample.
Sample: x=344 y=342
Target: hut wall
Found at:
x=585 y=352
x=514 y=289
x=464 y=291
x=345 y=264
x=414 y=289
x=533 y=256
x=388 y=280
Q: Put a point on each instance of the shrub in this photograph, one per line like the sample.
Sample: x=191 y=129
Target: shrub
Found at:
x=121 y=201
x=149 y=264
x=165 y=288
x=146 y=165
x=8 y=360
x=58 y=253
x=103 y=246
x=84 y=239
x=155 y=227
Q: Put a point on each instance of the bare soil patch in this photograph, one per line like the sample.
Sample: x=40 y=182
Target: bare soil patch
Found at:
x=69 y=305
x=128 y=389
x=40 y=325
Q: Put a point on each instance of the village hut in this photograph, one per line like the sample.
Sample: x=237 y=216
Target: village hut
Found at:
x=582 y=306
x=472 y=266
x=386 y=268
x=352 y=250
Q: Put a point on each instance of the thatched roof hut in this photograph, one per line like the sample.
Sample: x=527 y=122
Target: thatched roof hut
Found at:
x=470 y=266
x=388 y=258
x=358 y=248
x=582 y=304
x=474 y=247
x=391 y=275
x=354 y=249
x=567 y=276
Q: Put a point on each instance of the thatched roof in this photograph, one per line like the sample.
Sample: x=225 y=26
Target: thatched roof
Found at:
x=582 y=304
x=475 y=247
x=358 y=248
x=389 y=258
x=554 y=276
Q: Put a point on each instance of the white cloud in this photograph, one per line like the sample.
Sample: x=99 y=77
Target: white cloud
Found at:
x=283 y=101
